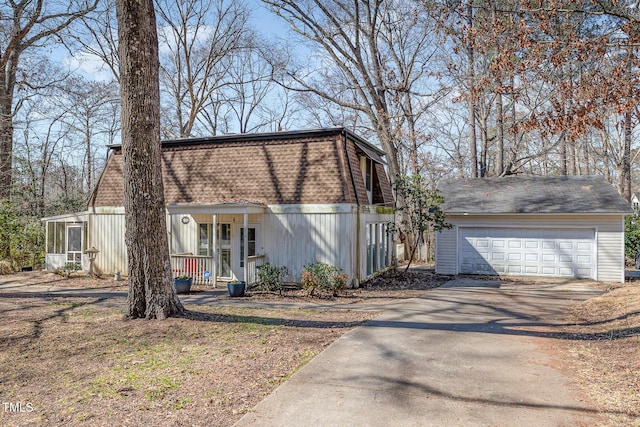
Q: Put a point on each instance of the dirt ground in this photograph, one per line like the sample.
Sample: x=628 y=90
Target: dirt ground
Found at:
x=75 y=361
x=602 y=350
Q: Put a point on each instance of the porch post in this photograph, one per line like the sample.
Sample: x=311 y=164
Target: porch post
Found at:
x=214 y=251
x=245 y=243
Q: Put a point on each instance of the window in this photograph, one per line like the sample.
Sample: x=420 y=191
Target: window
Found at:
x=378 y=249
x=369 y=250
x=251 y=244
x=205 y=239
x=56 y=241
x=366 y=164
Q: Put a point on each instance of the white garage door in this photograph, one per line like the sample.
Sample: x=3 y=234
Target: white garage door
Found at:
x=527 y=252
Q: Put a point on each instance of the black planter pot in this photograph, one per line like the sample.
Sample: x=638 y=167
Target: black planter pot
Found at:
x=182 y=285
x=236 y=289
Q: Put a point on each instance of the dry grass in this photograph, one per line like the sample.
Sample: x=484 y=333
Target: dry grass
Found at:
x=604 y=344
x=76 y=362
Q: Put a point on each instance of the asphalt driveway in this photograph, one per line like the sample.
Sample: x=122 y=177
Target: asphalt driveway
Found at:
x=471 y=353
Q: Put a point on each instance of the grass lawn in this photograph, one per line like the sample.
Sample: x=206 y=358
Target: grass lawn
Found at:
x=76 y=362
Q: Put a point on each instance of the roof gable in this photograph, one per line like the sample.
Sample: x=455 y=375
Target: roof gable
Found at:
x=532 y=195
x=276 y=168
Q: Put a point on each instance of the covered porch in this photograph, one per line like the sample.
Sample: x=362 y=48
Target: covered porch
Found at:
x=216 y=243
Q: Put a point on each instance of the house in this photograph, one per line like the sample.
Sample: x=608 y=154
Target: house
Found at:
x=234 y=202
x=635 y=204
x=569 y=226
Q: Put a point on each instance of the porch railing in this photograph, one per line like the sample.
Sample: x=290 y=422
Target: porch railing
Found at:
x=194 y=266
x=253 y=262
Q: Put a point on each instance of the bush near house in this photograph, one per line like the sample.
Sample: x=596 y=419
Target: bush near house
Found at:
x=323 y=277
x=22 y=238
x=271 y=277
x=631 y=238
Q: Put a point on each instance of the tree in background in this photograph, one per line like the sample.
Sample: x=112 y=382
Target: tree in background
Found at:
x=151 y=292
x=420 y=213
x=23 y=26
x=370 y=58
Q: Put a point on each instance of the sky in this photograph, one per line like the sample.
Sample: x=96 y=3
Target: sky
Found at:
x=91 y=67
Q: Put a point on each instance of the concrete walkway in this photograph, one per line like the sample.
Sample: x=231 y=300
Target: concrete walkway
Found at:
x=471 y=353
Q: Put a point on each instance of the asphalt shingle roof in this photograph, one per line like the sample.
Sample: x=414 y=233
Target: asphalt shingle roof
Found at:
x=531 y=195
x=283 y=167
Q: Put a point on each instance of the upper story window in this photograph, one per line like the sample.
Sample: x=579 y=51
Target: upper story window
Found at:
x=366 y=164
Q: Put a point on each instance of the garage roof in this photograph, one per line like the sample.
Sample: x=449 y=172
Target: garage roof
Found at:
x=532 y=194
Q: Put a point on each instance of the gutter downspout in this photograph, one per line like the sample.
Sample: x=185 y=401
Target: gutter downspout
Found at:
x=355 y=192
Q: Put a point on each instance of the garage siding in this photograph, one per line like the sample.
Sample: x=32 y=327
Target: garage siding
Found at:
x=609 y=238
x=447 y=252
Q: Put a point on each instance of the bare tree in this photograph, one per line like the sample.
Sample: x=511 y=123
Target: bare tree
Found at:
x=91 y=112
x=98 y=37
x=249 y=85
x=151 y=291
x=357 y=46
x=24 y=25
x=198 y=39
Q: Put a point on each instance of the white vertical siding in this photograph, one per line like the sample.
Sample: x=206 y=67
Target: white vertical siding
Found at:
x=183 y=238
x=447 y=251
x=290 y=236
x=295 y=239
x=610 y=250
x=106 y=233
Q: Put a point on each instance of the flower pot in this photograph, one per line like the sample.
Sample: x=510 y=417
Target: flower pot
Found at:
x=236 y=289
x=182 y=285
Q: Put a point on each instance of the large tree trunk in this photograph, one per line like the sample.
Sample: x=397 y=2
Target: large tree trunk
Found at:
x=563 y=156
x=6 y=148
x=151 y=291
x=625 y=176
x=471 y=77
x=7 y=84
x=500 y=134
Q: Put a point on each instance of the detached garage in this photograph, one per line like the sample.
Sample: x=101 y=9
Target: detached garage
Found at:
x=571 y=226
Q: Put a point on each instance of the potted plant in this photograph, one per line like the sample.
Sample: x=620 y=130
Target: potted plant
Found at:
x=236 y=288
x=182 y=284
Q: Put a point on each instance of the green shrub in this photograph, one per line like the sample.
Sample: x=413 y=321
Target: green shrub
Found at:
x=323 y=277
x=631 y=237
x=271 y=277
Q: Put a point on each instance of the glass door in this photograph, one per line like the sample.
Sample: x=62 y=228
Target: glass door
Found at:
x=224 y=250
x=74 y=244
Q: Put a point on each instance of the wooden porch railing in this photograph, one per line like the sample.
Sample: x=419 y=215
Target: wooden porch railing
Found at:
x=253 y=262
x=194 y=266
